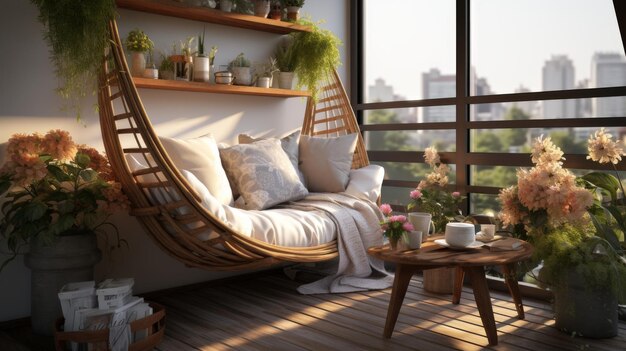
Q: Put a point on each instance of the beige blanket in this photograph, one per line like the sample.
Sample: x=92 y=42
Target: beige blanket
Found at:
x=358 y=228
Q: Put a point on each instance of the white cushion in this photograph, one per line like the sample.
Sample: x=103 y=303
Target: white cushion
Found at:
x=263 y=174
x=289 y=143
x=201 y=157
x=284 y=227
x=326 y=162
x=366 y=182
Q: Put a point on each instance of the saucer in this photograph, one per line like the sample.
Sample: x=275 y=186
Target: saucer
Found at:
x=474 y=245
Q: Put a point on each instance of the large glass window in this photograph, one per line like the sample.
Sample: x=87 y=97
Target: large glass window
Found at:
x=479 y=79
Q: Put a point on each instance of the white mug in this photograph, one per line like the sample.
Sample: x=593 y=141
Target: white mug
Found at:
x=460 y=234
x=488 y=231
x=414 y=239
x=422 y=221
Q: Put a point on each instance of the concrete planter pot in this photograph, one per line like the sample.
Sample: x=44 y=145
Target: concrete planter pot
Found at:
x=585 y=310
x=70 y=259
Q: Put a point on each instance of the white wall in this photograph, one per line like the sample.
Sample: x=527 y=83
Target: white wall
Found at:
x=28 y=104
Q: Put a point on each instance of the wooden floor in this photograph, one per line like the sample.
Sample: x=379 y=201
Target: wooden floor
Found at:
x=266 y=313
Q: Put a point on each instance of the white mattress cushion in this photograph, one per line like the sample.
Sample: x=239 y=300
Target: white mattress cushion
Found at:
x=284 y=227
x=366 y=182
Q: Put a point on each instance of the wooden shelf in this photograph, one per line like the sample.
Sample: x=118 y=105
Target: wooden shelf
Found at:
x=205 y=14
x=162 y=84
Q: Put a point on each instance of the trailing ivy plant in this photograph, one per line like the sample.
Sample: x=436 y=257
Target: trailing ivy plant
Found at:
x=316 y=54
x=77 y=33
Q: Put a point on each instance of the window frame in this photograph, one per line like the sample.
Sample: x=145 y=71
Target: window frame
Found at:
x=463 y=126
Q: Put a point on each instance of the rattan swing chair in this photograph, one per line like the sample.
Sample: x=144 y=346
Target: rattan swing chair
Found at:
x=126 y=129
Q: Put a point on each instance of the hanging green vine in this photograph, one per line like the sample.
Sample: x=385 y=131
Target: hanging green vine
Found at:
x=316 y=55
x=77 y=33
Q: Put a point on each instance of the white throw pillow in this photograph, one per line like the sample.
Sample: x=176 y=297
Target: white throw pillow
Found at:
x=201 y=157
x=263 y=174
x=326 y=162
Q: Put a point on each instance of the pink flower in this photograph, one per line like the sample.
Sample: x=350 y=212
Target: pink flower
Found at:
x=456 y=194
x=415 y=194
x=397 y=218
x=385 y=209
x=407 y=226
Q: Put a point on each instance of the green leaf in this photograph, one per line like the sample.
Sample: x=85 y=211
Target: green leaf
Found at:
x=34 y=210
x=605 y=181
x=64 y=223
x=57 y=196
x=618 y=217
x=82 y=160
x=606 y=232
x=65 y=207
x=89 y=175
x=58 y=173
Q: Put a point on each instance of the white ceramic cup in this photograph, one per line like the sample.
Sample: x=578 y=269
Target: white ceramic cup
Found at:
x=414 y=239
x=460 y=234
x=422 y=221
x=488 y=231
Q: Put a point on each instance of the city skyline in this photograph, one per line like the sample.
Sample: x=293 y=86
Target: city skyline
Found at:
x=510 y=40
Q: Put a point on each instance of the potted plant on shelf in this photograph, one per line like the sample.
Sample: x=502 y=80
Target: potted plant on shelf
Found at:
x=286 y=63
x=583 y=269
x=316 y=55
x=261 y=8
x=267 y=70
x=59 y=195
x=201 y=63
x=138 y=43
x=276 y=12
x=166 y=68
x=76 y=65
x=226 y=5
x=293 y=9
x=212 y=54
x=240 y=67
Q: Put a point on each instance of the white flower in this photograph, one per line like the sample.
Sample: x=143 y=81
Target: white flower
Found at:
x=603 y=149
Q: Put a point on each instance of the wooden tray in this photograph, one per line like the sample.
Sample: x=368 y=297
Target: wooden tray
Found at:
x=99 y=339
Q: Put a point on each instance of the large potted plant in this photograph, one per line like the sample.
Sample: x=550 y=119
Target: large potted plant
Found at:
x=286 y=64
x=582 y=269
x=57 y=197
x=77 y=33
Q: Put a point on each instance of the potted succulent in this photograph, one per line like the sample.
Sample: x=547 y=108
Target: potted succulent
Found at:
x=293 y=9
x=201 y=63
x=138 y=43
x=264 y=79
x=286 y=63
x=76 y=65
x=59 y=195
x=560 y=214
x=240 y=67
x=166 y=68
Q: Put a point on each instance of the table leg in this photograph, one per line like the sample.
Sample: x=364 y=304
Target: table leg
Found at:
x=511 y=283
x=459 y=276
x=401 y=281
x=483 y=302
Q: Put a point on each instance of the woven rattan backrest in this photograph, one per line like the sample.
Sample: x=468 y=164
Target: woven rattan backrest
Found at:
x=332 y=116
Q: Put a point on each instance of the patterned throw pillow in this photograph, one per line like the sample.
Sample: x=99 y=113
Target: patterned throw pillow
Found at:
x=263 y=173
x=289 y=144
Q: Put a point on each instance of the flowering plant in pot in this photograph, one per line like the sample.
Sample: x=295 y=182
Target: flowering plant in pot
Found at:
x=555 y=211
x=431 y=194
x=58 y=195
x=138 y=43
x=394 y=227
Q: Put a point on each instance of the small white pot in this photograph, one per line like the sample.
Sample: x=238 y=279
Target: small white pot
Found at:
x=151 y=73
x=261 y=8
x=201 y=69
x=285 y=80
x=243 y=75
x=263 y=82
x=138 y=64
x=226 y=5
x=293 y=13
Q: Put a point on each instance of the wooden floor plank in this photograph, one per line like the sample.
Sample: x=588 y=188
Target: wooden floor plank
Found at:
x=265 y=312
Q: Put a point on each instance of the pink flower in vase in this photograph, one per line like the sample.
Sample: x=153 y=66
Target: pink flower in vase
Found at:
x=456 y=194
x=385 y=209
x=415 y=194
x=407 y=226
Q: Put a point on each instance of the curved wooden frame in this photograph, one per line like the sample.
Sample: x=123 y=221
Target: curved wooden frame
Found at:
x=126 y=129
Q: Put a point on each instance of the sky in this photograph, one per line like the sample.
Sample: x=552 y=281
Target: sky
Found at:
x=510 y=39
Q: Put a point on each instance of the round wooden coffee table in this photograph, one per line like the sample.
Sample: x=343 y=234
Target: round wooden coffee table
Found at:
x=471 y=262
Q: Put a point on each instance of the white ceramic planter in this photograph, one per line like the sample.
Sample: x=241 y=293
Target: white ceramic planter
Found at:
x=263 y=82
x=243 y=75
x=261 y=8
x=226 y=5
x=201 y=69
x=285 y=80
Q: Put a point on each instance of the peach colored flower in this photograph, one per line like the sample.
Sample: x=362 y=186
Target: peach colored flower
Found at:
x=603 y=149
x=544 y=151
x=431 y=156
x=24 y=143
x=59 y=144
